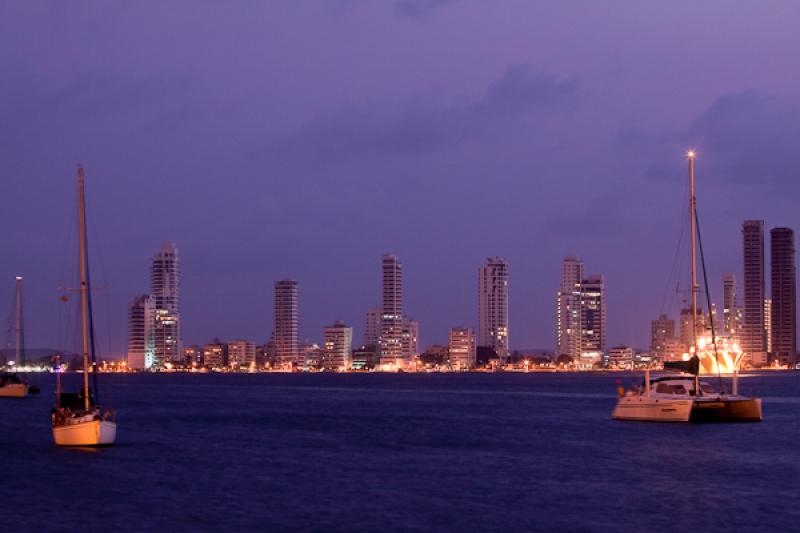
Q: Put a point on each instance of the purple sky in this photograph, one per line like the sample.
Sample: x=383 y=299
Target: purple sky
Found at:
x=305 y=139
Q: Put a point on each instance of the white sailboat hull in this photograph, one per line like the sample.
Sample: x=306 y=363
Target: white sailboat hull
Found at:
x=14 y=390
x=89 y=433
x=652 y=409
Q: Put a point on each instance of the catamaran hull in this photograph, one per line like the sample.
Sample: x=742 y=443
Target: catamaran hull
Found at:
x=727 y=410
x=91 y=433
x=652 y=410
x=14 y=390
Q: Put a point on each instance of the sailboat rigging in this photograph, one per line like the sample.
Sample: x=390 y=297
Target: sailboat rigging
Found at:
x=685 y=398
x=78 y=419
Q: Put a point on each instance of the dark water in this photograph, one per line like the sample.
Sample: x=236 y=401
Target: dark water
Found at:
x=357 y=452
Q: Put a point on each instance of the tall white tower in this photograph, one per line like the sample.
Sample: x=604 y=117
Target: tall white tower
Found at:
x=286 y=330
x=568 y=308
x=165 y=290
x=392 y=320
x=493 y=305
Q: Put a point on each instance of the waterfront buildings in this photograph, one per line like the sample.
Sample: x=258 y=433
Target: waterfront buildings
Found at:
x=783 y=279
x=338 y=349
x=215 y=354
x=493 y=305
x=662 y=337
x=410 y=339
x=593 y=320
x=462 y=348
x=753 y=336
x=372 y=328
x=621 y=357
x=286 y=325
x=141 y=332
x=568 y=309
x=767 y=322
x=392 y=319
x=165 y=290
x=731 y=314
x=241 y=353
x=580 y=314
x=193 y=356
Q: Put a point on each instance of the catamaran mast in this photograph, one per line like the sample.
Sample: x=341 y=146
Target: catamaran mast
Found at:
x=84 y=287
x=692 y=207
x=692 y=214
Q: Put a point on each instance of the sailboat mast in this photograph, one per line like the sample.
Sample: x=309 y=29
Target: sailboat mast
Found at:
x=692 y=207
x=20 y=330
x=84 y=286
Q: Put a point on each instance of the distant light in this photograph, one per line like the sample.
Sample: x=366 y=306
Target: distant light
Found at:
x=690 y=154
x=19 y=278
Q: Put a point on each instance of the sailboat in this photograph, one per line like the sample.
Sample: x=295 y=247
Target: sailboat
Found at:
x=77 y=419
x=685 y=398
x=11 y=385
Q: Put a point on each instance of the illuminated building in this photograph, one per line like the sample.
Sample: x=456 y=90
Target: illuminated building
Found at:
x=568 y=309
x=392 y=320
x=753 y=336
x=662 y=336
x=193 y=355
x=241 y=353
x=593 y=320
x=165 y=290
x=620 y=357
x=215 y=354
x=493 y=305
x=462 y=348
x=410 y=339
x=767 y=322
x=286 y=329
x=372 y=330
x=731 y=314
x=141 y=326
x=338 y=351
x=783 y=280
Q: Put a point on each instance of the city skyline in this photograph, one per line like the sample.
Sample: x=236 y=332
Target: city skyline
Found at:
x=435 y=146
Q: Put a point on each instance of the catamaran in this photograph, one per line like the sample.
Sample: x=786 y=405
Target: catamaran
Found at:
x=685 y=398
x=77 y=418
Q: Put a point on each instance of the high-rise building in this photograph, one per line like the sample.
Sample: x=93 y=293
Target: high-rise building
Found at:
x=593 y=319
x=783 y=280
x=462 y=348
x=662 y=335
x=241 y=353
x=338 y=354
x=730 y=308
x=767 y=322
x=753 y=337
x=141 y=330
x=568 y=308
x=410 y=339
x=372 y=330
x=687 y=333
x=493 y=305
x=392 y=319
x=286 y=328
x=165 y=290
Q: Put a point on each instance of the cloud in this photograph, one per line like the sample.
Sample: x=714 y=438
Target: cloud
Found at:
x=750 y=137
x=425 y=125
x=417 y=9
x=747 y=138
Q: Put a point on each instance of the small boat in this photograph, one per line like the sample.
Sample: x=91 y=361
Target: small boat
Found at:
x=685 y=398
x=77 y=418
x=11 y=385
